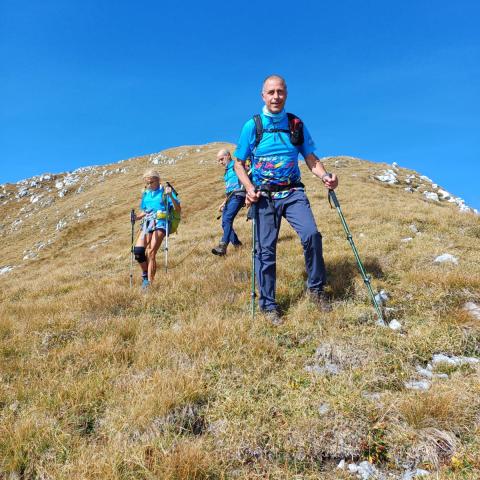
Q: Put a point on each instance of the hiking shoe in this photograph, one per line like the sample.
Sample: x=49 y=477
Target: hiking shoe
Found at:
x=238 y=245
x=320 y=300
x=220 y=250
x=273 y=316
x=145 y=283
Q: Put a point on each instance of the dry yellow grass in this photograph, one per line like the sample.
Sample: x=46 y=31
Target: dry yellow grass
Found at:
x=98 y=380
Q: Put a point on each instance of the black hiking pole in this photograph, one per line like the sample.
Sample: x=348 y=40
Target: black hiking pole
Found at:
x=366 y=278
x=132 y=221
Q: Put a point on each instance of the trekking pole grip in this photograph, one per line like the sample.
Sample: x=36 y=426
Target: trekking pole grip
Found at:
x=132 y=216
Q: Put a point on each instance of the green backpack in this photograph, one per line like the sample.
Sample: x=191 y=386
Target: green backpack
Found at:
x=174 y=216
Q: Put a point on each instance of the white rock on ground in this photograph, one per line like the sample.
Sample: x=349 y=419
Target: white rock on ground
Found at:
x=324 y=408
x=431 y=196
x=395 y=325
x=424 y=372
x=446 y=258
x=381 y=297
x=440 y=358
x=389 y=176
x=6 y=269
x=406 y=240
x=425 y=179
x=364 y=470
x=473 y=309
x=422 y=385
x=413 y=228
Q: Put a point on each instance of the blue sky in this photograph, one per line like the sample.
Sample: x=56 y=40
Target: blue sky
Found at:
x=95 y=82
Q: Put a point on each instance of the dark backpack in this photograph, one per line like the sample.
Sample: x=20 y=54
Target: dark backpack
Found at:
x=295 y=130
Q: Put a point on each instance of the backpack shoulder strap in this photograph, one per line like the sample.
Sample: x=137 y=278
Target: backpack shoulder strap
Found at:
x=258 y=129
x=295 y=126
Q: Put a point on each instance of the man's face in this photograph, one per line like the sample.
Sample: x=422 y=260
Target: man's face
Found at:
x=274 y=95
x=223 y=159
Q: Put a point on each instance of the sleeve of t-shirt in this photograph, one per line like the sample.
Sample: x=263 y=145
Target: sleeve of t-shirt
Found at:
x=308 y=146
x=245 y=142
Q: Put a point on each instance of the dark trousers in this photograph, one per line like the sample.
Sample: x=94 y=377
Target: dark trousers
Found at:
x=296 y=209
x=233 y=206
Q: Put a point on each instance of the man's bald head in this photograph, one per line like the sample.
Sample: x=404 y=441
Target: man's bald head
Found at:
x=274 y=77
x=223 y=157
x=223 y=153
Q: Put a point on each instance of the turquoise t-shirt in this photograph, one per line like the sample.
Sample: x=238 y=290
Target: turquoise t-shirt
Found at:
x=154 y=201
x=275 y=159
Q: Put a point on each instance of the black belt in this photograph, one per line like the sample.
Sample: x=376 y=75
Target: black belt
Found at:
x=236 y=192
x=271 y=188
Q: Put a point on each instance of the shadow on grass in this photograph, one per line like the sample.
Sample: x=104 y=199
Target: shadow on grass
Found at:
x=342 y=275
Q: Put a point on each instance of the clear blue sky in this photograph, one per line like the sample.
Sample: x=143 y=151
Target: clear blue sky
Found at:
x=96 y=81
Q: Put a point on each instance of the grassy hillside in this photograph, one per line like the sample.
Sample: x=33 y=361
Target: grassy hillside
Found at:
x=100 y=381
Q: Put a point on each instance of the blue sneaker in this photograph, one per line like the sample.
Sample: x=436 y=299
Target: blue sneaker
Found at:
x=145 y=283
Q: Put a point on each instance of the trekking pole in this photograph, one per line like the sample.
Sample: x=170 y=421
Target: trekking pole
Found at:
x=253 y=211
x=366 y=278
x=132 y=221
x=166 y=232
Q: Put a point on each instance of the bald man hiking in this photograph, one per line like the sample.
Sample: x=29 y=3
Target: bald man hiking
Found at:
x=234 y=201
x=273 y=140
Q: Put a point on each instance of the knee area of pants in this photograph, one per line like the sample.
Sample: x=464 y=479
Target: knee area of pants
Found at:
x=313 y=237
x=139 y=254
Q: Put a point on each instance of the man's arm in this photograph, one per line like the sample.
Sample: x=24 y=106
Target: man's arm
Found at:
x=242 y=175
x=316 y=167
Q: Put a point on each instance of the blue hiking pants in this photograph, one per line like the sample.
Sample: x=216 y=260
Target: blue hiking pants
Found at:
x=296 y=209
x=233 y=206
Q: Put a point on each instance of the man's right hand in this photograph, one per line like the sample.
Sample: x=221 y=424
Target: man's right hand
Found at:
x=252 y=197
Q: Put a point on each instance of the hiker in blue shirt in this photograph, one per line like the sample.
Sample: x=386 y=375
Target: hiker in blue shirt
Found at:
x=156 y=199
x=273 y=140
x=234 y=201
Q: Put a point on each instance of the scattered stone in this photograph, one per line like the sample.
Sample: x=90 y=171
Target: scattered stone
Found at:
x=389 y=176
x=473 y=309
x=441 y=359
x=424 y=372
x=324 y=408
x=61 y=225
x=421 y=385
x=425 y=179
x=431 y=196
x=395 y=325
x=381 y=297
x=406 y=240
x=6 y=269
x=395 y=165
x=364 y=470
x=413 y=228
x=444 y=195
x=342 y=464
x=446 y=258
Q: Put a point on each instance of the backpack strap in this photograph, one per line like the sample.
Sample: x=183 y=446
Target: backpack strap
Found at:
x=258 y=130
x=295 y=126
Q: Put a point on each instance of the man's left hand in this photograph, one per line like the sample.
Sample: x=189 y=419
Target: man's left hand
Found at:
x=330 y=181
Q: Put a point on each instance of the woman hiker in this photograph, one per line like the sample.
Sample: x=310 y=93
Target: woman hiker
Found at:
x=156 y=198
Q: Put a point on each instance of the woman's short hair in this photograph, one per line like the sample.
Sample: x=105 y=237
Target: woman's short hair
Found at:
x=150 y=173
